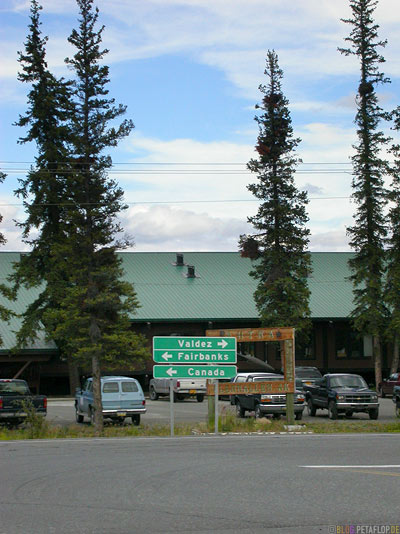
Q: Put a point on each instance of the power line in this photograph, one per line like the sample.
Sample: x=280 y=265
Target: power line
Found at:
x=180 y=163
x=178 y=172
x=139 y=203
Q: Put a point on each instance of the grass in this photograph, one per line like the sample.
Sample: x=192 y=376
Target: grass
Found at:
x=228 y=422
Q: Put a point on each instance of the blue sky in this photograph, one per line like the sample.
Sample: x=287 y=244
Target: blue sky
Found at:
x=189 y=71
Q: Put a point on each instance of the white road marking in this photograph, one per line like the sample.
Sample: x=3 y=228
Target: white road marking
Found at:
x=350 y=466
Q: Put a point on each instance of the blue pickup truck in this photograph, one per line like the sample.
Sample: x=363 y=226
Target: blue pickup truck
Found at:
x=121 y=397
x=341 y=393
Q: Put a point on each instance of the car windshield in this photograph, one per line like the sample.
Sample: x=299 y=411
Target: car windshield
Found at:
x=348 y=382
x=267 y=378
x=308 y=373
x=13 y=388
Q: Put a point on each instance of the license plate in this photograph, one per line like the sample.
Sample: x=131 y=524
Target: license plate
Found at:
x=192 y=391
x=121 y=414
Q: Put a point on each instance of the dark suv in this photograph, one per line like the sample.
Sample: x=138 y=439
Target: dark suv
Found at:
x=308 y=375
x=271 y=404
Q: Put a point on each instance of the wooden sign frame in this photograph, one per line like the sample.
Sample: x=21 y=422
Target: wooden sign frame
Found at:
x=285 y=336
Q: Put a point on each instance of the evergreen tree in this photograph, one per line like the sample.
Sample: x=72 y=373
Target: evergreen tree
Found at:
x=44 y=190
x=369 y=232
x=281 y=238
x=392 y=293
x=84 y=303
x=94 y=314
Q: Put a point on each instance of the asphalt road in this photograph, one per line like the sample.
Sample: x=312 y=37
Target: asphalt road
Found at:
x=158 y=412
x=283 y=484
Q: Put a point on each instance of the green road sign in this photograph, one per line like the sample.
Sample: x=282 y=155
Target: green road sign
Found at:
x=218 y=350
x=194 y=371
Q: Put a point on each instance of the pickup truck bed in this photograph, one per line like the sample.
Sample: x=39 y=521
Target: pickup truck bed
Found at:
x=183 y=388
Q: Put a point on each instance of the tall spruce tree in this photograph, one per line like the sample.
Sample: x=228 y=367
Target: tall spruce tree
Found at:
x=94 y=314
x=44 y=190
x=369 y=232
x=392 y=293
x=280 y=242
x=84 y=303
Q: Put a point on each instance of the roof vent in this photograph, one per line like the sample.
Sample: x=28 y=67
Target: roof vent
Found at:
x=191 y=272
x=179 y=260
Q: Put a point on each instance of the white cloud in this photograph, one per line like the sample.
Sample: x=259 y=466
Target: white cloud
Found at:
x=165 y=228
x=333 y=241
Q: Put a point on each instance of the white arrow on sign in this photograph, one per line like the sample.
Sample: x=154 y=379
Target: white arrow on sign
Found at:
x=222 y=343
x=171 y=371
x=166 y=356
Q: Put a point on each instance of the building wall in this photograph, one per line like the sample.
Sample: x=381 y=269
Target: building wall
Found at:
x=51 y=377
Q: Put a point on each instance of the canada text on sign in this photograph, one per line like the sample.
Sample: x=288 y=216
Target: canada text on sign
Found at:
x=247 y=388
x=254 y=334
x=194 y=371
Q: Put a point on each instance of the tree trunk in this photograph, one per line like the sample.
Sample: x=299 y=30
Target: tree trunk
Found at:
x=395 y=358
x=98 y=406
x=73 y=373
x=377 y=360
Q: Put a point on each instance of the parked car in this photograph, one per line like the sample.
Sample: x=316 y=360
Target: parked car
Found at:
x=121 y=397
x=342 y=394
x=307 y=374
x=15 y=399
x=387 y=385
x=396 y=400
x=266 y=404
x=183 y=388
x=242 y=377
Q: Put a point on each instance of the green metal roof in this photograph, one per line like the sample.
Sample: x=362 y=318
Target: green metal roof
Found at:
x=221 y=290
x=25 y=297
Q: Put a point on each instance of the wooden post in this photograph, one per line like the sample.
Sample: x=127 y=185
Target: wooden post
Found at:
x=288 y=347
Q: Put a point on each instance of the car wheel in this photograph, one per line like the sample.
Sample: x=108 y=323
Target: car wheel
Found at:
x=240 y=412
x=332 y=409
x=200 y=397
x=257 y=412
x=153 y=394
x=276 y=416
x=397 y=408
x=311 y=409
x=91 y=415
x=136 y=419
x=78 y=417
x=348 y=414
x=298 y=416
x=374 y=413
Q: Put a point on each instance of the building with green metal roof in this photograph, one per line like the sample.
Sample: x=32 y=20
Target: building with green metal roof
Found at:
x=187 y=294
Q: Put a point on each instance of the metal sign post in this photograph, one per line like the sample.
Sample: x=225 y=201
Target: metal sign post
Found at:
x=216 y=407
x=171 y=405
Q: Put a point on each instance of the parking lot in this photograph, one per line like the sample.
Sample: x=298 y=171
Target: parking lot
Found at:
x=62 y=412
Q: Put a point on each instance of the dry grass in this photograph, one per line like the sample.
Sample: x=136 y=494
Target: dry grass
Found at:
x=228 y=423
